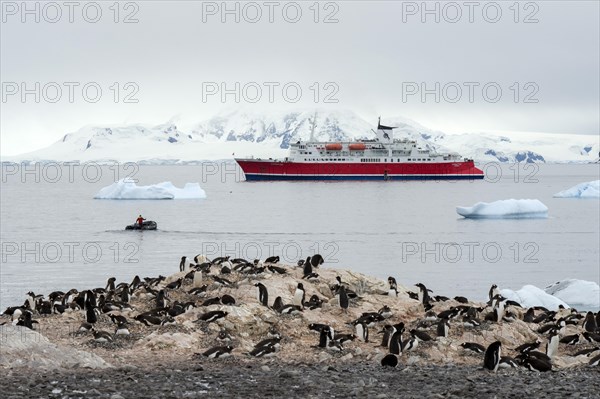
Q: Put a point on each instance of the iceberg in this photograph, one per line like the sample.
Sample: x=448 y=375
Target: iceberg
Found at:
x=530 y=295
x=577 y=293
x=589 y=189
x=511 y=209
x=126 y=189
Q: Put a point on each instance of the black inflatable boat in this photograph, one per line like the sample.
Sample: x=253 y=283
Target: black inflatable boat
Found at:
x=147 y=225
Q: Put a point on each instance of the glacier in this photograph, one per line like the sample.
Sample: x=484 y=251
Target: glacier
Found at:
x=127 y=189
x=584 y=190
x=269 y=133
x=509 y=209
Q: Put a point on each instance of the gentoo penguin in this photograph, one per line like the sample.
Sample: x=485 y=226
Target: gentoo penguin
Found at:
x=387 y=331
x=224 y=336
x=389 y=360
x=118 y=319
x=527 y=347
x=299 y=296
x=595 y=361
x=314 y=302
x=272 y=259
x=492 y=356
x=552 y=345
x=411 y=344
x=102 y=336
x=422 y=335
x=385 y=312
x=110 y=284
x=25 y=320
x=197 y=280
x=396 y=342
x=183 y=264
x=85 y=327
x=276 y=269
x=263 y=294
x=148 y=320
x=278 y=304
x=122 y=329
x=316 y=260
x=223 y=282
x=343 y=298
x=174 y=285
x=529 y=315
x=586 y=352
x=461 y=299
x=199 y=291
x=228 y=300
x=473 y=346
x=508 y=362
x=90 y=313
x=218 y=351
x=570 y=339
x=311 y=277
x=499 y=309
x=300 y=263
x=307 y=268
x=591 y=337
x=442 y=328
x=125 y=296
x=393 y=290
x=161 y=300
x=537 y=364
x=362 y=332
x=211 y=316
x=589 y=324
x=212 y=301
x=493 y=292
x=423 y=294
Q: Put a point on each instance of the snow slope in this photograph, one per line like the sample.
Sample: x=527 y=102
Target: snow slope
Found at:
x=268 y=134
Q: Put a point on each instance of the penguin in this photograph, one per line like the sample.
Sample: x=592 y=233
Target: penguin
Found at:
x=470 y=322
x=423 y=294
x=307 y=268
x=393 y=290
x=499 y=310
x=110 y=284
x=272 y=259
x=174 y=285
x=442 y=328
x=125 y=296
x=537 y=364
x=290 y=309
x=527 y=347
x=148 y=320
x=25 y=320
x=552 y=345
x=362 y=332
x=122 y=329
x=589 y=324
x=316 y=260
x=300 y=263
x=508 y=362
x=475 y=347
x=102 y=336
x=385 y=312
x=311 y=277
x=343 y=298
x=387 y=331
x=218 y=351
x=118 y=319
x=223 y=282
x=212 y=301
x=570 y=339
x=493 y=292
x=228 y=300
x=529 y=315
x=595 y=361
x=491 y=359
x=278 y=304
x=276 y=270
x=199 y=291
x=183 y=264
x=274 y=342
x=299 y=296
x=411 y=344
x=421 y=335
x=161 y=300
x=591 y=337
x=90 y=313
x=223 y=336
x=389 y=360
x=85 y=327
x=263 y=351
x=396 y=342
x=197 y=279
x=586 y=352
x=263 y=294
x=211 y=316
x=314 y=302
x=461 y=299
x=325 y=335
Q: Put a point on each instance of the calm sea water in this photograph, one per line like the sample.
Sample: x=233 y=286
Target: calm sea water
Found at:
x=55 y=236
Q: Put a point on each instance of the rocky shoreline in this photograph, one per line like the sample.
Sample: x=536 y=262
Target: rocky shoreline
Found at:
x=227 y=378
x=165 y=360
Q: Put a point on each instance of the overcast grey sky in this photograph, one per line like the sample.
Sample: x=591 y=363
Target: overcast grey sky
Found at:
x=377 y=58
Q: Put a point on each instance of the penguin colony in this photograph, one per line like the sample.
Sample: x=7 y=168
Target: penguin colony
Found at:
x=408 y=324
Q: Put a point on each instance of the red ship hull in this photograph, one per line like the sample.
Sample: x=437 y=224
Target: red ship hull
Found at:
x=256 y=169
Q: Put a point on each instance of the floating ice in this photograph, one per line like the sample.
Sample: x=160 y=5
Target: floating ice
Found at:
x=589 y=189
x=127 y=189
x=577 y=293
x=511 y=208
x=530 y=295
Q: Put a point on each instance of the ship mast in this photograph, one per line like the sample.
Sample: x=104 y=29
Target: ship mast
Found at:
x=313 y=125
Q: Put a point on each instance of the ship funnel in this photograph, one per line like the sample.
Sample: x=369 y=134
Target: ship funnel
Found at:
x=385 y=134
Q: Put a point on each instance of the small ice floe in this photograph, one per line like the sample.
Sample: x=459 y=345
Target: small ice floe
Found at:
x=577 y=293
x=589 y=189
x=127 y=189
x=530 y=295
x=505 y=209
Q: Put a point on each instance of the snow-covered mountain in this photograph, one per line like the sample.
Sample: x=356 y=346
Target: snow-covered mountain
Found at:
x=269 y=135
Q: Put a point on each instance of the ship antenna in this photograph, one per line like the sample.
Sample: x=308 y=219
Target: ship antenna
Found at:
x=313 y=125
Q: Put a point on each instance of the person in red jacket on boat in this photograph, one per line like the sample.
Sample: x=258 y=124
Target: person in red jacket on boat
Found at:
x=140 y=221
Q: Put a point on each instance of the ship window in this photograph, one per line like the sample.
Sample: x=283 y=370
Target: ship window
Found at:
x=409 y=159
